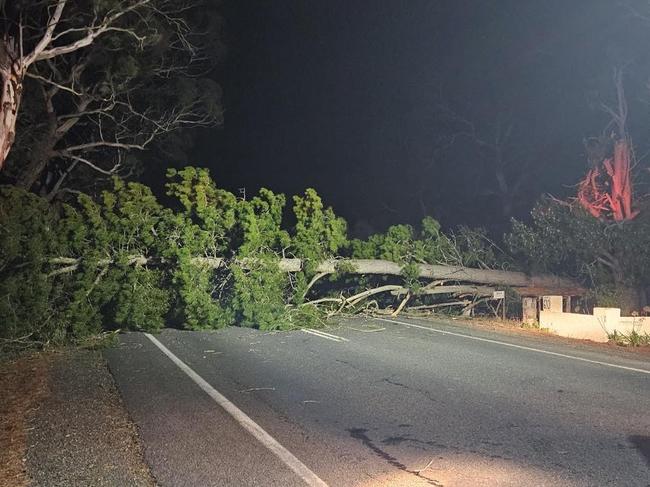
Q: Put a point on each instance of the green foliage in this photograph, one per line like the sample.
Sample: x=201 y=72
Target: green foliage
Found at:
x=122 y=260
x=209 y=213
x=403 y=244
x=102 y=288
x=397 y=245
x=475 y=249
x=306 y=316
x=433 y=246
x=411 y=274
x=27 y=238
x=111 y=288
x=141 y=302
x=429 y=245
x=632 y=339
x=218 y=224
x=204 y=227
x=259 y=294
x=319 y=233
x=197 y=286
x=566 y=240
x=259 y=224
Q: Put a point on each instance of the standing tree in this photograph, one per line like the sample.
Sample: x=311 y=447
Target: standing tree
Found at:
x=606 y=190
x=98 y=79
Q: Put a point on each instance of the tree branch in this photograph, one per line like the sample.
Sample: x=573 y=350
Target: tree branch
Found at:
x=47 y=36
x=92 y=33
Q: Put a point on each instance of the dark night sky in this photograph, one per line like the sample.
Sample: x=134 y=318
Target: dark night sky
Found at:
x=342 y=96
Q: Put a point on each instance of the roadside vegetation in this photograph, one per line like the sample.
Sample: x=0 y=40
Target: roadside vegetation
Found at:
x=611 y=259
x=74 y=270
x=632 y=339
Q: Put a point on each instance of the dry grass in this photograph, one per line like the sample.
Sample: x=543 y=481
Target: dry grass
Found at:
x=23 y=384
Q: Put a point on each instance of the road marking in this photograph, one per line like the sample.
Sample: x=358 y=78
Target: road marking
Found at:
x=245 y=421
x=522 y=347
x=328 y=336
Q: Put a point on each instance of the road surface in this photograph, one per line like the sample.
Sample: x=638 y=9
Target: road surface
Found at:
x=376 y=402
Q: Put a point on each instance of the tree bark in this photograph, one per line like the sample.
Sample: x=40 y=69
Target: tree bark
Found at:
x=457 y=290
x=12 y=74
x=451 y=273
x=38 y=158
x=560 y=285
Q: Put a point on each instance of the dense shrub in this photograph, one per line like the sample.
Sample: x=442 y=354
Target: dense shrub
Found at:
x=27 y=238
x=611 y=258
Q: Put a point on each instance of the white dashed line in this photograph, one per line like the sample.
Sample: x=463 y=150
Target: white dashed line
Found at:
x=327 y=336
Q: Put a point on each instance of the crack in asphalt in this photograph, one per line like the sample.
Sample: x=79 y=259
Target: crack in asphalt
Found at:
x=427 y=394
x=360 y=434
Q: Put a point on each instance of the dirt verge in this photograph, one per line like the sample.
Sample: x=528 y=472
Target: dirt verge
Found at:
x=23 y=384
x=64 y=424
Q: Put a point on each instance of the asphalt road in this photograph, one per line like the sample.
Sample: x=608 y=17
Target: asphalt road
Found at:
x=386 y=404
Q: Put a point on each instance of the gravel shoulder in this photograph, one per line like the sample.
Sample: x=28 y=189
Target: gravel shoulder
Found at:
x=65 y=424
x=23 y=385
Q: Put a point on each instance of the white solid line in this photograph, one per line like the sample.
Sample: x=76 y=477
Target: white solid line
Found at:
x=245 y=421
x=327 y=336
x=522 y=347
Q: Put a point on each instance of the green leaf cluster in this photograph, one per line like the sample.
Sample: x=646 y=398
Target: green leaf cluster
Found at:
x=27 y=237
x=404 y=244
x=319 y=233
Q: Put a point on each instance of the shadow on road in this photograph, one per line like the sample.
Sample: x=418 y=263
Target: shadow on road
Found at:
x=642 y=444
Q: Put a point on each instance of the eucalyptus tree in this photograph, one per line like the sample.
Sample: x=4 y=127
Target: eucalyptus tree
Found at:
x=88 y=82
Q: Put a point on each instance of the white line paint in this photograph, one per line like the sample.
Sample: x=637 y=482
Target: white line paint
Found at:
x=512 y=345
x=245 y=421
x=321 y=336
x=330 y=335
x=327 y=336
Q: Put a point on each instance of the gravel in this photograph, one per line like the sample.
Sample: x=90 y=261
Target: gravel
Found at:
x=81 y=434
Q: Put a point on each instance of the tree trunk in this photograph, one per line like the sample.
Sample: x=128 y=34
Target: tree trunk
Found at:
x=451 y=273
x=457 y=290
x=12 y=74
x=560 y=285
x=39 y=156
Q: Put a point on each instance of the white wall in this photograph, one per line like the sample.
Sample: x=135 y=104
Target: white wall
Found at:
x=596 y=327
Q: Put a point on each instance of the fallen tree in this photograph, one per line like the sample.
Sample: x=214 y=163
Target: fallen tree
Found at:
x=213 y=260
x=454 y=273
x=494 y=277
x=462 y=292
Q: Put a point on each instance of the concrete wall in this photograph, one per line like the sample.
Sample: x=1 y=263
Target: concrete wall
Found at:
x=640 y=324
x=594 y=327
